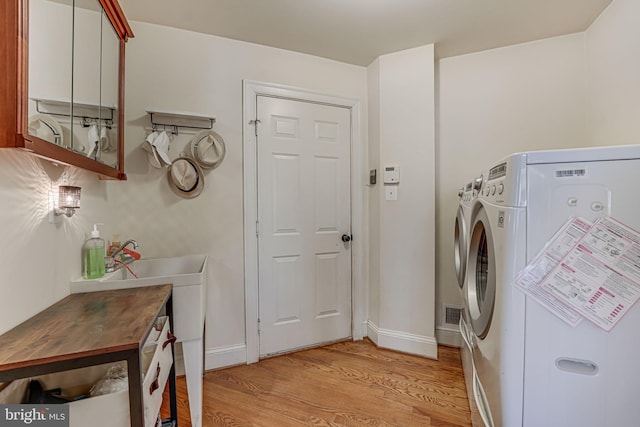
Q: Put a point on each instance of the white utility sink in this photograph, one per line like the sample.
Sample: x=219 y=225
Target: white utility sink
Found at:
x=187 y=274
x=184 y=270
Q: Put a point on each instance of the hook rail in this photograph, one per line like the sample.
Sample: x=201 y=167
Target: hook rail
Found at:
x=86 y=113
x=174 y=120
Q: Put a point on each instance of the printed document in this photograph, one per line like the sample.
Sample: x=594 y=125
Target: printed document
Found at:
x=530 y=279
x=600 y=276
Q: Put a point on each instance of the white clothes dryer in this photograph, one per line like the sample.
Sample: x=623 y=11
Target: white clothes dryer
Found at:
x=532 y=368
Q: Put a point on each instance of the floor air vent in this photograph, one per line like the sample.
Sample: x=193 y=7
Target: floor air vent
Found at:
x=452 y=314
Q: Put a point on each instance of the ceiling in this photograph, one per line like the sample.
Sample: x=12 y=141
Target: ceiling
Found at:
x=358 y=31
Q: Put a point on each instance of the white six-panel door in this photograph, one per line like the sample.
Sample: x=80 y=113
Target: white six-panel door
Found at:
x=304 y=266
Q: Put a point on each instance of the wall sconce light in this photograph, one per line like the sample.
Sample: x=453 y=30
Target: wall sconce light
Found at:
x=66 y=203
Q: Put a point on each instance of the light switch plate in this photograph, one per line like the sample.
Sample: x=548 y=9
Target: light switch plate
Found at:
x=391 y=192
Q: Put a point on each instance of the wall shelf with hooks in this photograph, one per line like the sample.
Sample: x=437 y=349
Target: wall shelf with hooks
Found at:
x=88 y=113
x=179 y=119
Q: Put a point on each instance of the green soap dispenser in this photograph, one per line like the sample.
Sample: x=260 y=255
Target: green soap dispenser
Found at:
x=93 y=256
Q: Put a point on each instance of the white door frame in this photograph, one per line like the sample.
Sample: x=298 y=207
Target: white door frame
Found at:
x=359 y=251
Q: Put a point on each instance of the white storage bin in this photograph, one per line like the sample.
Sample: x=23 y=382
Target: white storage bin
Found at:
x=112 y=410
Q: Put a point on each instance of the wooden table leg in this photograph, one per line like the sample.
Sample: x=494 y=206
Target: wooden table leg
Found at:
x=173 y=393
x=135 y=389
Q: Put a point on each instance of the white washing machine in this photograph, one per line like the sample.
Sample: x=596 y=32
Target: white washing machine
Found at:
x=466 y=198
x=532 y=369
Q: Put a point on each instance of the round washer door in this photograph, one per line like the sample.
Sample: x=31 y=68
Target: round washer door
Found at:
x=460 y=247
x=481 y=288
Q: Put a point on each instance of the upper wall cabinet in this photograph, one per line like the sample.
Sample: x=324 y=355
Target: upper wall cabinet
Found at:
x=65 y=81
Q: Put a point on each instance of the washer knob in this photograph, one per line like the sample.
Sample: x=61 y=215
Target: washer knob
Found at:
x=493 y=190
x=500 y=188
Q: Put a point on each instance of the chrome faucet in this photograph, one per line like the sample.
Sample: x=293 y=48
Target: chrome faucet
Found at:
x=116 y=260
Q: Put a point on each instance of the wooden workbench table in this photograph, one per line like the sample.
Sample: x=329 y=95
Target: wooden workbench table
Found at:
x=89 y=329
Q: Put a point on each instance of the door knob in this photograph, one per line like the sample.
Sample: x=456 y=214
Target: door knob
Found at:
x=346 y=238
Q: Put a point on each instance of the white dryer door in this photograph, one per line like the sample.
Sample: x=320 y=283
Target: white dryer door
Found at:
x=460 y=247
x=481 y=287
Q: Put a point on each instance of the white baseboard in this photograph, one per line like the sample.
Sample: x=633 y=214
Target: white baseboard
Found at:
x=365 y=330
x=402 y=341
x=179 y=364
x=223 y=357
x=372 y=332
x=448 y=336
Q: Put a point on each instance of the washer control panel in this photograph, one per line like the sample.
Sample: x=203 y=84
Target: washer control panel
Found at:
x=467 y=193
x=504 y=183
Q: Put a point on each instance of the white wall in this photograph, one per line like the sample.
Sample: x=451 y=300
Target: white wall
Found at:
x=492 y=103
x=613 y=75
x=403 y=133
x=174 y=69
x=38 y=259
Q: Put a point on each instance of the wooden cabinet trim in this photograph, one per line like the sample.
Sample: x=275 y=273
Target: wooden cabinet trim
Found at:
x=118 y=20
x=9 y=48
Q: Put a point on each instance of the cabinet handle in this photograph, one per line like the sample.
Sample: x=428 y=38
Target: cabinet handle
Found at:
x=155 y=384
x=170 y=340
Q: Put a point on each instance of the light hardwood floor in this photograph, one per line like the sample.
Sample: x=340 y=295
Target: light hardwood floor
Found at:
x=344 y=384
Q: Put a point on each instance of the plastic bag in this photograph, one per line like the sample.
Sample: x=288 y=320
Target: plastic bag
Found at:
x=115 y=380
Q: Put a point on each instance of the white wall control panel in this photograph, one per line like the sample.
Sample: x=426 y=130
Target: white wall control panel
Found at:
x=391 y=174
